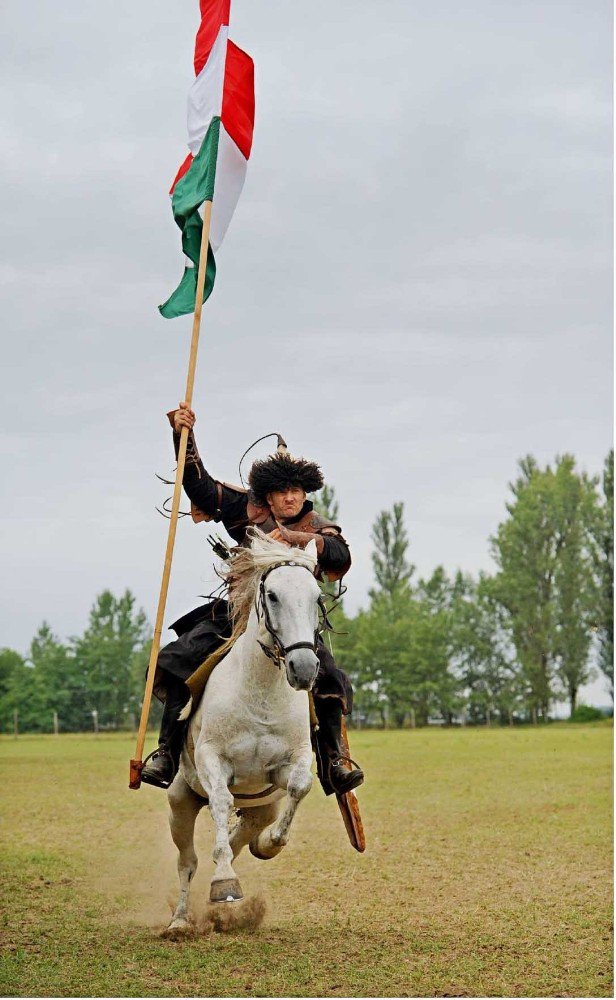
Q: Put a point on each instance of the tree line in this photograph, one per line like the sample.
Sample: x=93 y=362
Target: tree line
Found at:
x=91 y=681
x=502 y=646
x=499 y=647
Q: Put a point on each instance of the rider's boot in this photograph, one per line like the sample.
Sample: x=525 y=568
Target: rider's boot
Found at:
x=162 y=766
x=332 y=759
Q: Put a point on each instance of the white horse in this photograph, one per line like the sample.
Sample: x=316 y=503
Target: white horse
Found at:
x=251 y=733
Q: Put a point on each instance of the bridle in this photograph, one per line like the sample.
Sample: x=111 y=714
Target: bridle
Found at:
x=279 y=651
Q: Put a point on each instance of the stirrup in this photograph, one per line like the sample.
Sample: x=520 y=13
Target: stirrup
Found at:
x=345 y=779
x=160 y=749
x=160 y=776
x=341 y=759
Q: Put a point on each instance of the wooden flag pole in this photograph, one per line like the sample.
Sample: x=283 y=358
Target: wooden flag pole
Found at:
x=137 y=763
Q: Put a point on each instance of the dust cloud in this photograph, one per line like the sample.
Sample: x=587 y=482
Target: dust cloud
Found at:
x=224 y=918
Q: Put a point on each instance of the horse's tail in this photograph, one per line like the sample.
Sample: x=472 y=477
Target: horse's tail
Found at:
x=185 y=713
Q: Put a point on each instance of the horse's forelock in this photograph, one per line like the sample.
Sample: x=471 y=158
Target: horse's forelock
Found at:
x=265 y=552
x=247 y=567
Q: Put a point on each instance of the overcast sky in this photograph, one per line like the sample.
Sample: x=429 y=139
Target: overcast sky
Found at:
x=415 y=289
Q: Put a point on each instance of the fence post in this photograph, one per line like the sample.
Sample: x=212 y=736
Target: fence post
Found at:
x=56 y=727
x=95 y=721
x=15 y=723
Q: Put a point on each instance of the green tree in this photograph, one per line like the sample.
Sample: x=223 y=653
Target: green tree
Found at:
x=386 y=629
x=377 y=648
x=489 y=673
x=36 y=686
x=110 y=655
x=399 y=649
x=543 y=583
x=11 y=666
x=604 y=573
x=433 y=648
x=524 y=551
x=59 y=679
x=363 y=653
x=392 y=569
x=10 y=661
x=326 y=503
x=575 y=502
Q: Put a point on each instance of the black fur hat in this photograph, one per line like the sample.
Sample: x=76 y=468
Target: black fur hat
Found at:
x=280 y=471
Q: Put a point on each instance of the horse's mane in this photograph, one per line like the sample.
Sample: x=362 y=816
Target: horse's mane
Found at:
x=242 y=574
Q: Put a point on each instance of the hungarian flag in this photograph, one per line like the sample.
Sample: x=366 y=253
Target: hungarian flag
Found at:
x=221 y=112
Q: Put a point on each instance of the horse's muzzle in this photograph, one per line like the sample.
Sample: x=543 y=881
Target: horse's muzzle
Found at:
x=302 y=668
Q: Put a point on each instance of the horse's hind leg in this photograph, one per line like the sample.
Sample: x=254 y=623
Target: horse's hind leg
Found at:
x=184 y=806
x=250 y=824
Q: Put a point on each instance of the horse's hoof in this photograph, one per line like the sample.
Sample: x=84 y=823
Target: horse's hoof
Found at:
x=177 y=929
x=254 y=850
x=257 y=853
x=225 y=890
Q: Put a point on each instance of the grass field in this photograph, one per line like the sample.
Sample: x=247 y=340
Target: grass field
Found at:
x=487 y=873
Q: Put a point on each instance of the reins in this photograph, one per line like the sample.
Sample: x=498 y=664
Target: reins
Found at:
x=278 y=653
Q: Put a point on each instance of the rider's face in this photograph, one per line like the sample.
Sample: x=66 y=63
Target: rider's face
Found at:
x=286 y=503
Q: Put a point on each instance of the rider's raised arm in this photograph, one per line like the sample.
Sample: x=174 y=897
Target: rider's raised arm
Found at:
x=335 y=558
x=210 y=500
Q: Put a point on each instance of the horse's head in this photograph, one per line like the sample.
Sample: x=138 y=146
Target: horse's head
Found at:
x=289 y=600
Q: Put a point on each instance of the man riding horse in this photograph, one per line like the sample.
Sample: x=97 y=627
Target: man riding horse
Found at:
x=276 y=503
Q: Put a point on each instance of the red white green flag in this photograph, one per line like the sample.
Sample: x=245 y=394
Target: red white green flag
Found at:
x=221 y=111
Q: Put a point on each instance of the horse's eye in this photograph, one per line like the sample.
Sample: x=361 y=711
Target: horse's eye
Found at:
x=273 y=598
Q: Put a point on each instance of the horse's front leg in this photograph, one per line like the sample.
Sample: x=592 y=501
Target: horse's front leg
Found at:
x=215 y=776
x=296 y=778
x=250 y=824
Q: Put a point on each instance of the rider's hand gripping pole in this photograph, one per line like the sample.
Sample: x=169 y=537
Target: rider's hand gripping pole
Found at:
x=136 y=764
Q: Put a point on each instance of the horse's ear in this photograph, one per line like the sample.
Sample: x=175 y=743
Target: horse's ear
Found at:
x=311 y=550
